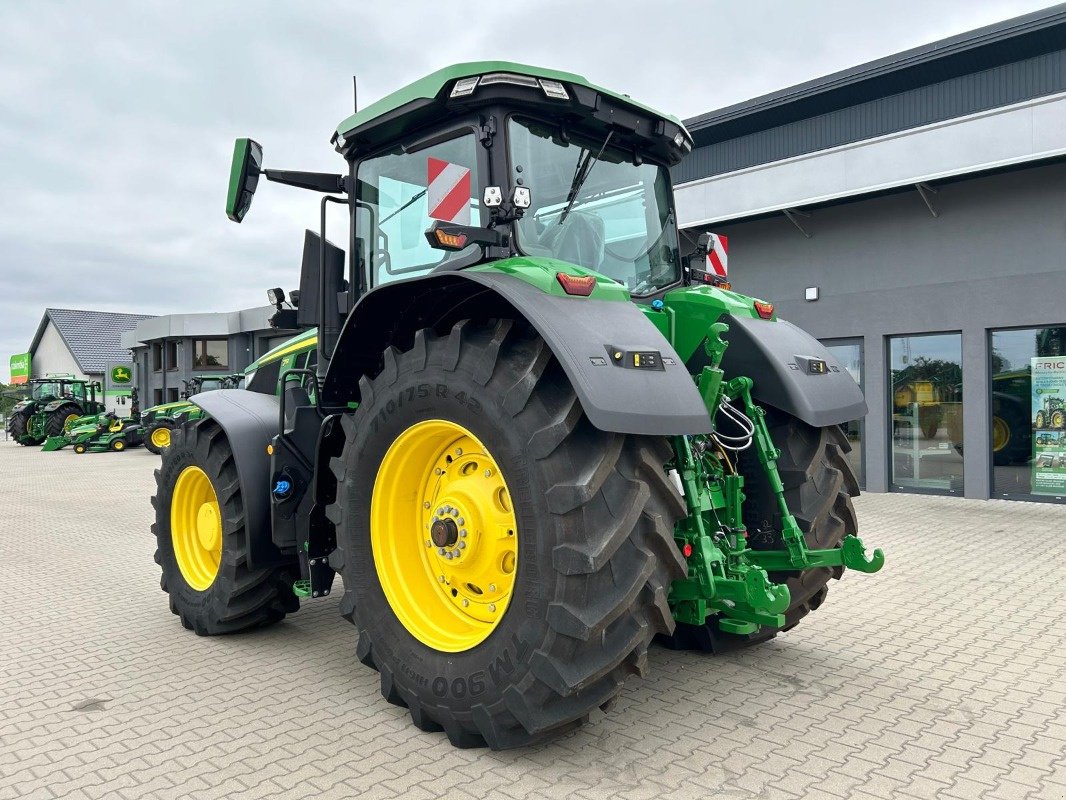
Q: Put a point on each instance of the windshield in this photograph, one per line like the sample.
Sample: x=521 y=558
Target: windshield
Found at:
x=44 y=390
x=620 y=220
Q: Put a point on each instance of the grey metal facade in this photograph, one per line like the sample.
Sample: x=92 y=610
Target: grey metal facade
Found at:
x=1007 y=63
x=995 y=257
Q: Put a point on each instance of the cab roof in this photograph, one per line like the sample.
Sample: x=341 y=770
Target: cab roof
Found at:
x=417 y=95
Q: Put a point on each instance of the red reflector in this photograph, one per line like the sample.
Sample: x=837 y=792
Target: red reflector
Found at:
x=573 y=284
x=686 y=551
x=763 y=309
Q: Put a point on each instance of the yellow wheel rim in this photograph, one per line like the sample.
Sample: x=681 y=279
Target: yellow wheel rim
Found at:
x=444 y=536
x=120 y=445
x=68 y=422
x=161 y=437
x=1000 y=434
x=1058 y=419
x=196 y=528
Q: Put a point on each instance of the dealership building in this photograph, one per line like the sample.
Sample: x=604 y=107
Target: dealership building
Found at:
x=911 y=214
x=168 y=351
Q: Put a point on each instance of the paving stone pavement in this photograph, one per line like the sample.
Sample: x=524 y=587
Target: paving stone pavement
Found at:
x=943 y=676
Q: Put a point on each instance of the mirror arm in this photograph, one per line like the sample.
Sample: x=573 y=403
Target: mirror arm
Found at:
x=315 y=181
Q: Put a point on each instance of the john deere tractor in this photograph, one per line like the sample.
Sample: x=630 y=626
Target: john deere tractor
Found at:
x=53 y=403
x=1052 y=414
x=534 y=440
x=160 y=420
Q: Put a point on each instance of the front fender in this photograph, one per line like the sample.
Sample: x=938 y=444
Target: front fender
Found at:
x=250 y=420
x=582 y=333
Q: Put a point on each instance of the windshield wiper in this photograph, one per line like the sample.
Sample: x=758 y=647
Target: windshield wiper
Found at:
x=581 y=174
x=409 y=203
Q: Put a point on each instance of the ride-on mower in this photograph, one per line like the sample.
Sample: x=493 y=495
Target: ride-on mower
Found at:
x=54 y=403
x=535 y=439
x=99 y=433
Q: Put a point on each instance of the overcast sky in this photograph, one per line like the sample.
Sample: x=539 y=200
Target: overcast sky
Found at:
x=117 y=120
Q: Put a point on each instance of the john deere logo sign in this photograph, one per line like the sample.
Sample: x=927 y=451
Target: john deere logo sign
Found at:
x=121 y=375
x=20 y=368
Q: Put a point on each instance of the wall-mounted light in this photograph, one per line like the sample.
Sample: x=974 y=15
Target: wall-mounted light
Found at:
x=810 y=293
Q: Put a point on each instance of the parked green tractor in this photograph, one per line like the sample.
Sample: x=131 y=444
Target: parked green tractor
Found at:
x=536 y=438
x=160 y=420
x=53 y=404
x=1052 y=414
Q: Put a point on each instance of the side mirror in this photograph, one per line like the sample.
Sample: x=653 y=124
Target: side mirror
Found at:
x=704 y=245
x=243 y=177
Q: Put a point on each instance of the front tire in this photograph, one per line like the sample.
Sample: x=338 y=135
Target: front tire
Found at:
x=594 y=551
x=20 y=427
x=57 y=422
x=157 y=437
x=201 y=545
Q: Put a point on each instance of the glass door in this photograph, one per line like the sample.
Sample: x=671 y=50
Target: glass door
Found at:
x=849 y=352
x=926 y=397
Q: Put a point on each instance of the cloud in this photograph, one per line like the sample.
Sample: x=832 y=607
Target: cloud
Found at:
x=118 y=118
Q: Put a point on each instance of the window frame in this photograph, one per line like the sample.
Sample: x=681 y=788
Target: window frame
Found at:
x=843 y=341
x=508 y=167
x=893 y=486
x=989 y=398
x=196 y=353
x=411 y=145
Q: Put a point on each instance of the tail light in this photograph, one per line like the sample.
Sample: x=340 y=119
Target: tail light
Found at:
x=764 y=309
x=580 y=286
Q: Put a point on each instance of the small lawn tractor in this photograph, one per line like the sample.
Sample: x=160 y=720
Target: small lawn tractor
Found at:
x=536 y=436
x=101 y=433
x=54 y=403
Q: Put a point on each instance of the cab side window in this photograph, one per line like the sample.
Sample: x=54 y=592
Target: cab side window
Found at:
x=403 y=194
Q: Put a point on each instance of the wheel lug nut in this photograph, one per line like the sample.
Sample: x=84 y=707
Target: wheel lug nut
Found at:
x=458 y=451
x=425 y=504
x=492 y=587
x=438 y=471
x=460 y=522
x=492 y=607
x=440 y=578
x=488 y=473
x=462 y=545
x=449 y=556
x=455 y=512
x=465 y=602
x=463 y=533
x=441 y=551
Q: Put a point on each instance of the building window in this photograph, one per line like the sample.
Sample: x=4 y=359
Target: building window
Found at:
x=157 y=397
x=926 y=381
x=172 y=354
x=1028 y=413
x=172 y=396
x=211 y=354
x=157 y=356
x=849 y=353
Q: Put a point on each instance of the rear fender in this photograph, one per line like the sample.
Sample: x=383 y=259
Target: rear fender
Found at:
x=583 y=333
x=250 y=421
x=777 y=356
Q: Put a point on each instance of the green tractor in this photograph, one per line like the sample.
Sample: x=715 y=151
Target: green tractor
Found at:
x=538 y=437
x=160 y=420
x=1052 y=414
x=53 y=404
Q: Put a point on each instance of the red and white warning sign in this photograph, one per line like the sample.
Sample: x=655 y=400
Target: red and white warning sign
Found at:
x=718 y=258
x=448 y=191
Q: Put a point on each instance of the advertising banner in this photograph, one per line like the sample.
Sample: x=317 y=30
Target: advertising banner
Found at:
x=1049 y=425
x=20 y=368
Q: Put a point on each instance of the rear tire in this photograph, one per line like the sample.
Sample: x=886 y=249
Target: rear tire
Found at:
x=238 y=598
x=819 y=485
x=55 y=425
x=595 y=551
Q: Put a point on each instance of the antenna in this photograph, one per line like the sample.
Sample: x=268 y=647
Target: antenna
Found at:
x=355 y=94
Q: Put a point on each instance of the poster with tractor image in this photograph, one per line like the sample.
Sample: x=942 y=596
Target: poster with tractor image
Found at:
x=1049 y=425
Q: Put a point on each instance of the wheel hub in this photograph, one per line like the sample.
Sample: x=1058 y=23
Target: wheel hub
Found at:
x=462 y=529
